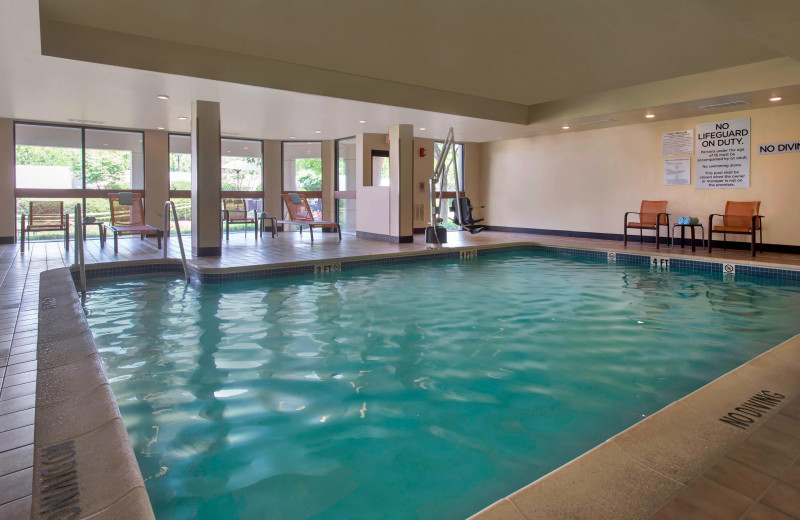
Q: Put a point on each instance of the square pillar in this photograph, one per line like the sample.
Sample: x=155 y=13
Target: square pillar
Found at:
x=401 y=178
x=156 y=169
x=328 y=180
x=206 y=179
x=8 y=204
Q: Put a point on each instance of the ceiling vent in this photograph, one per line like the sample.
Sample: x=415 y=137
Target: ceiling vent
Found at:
x=86 y=121
x=599 y=122
x=729 y=104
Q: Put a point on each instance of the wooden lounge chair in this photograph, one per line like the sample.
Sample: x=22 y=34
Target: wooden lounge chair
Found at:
x=128 y=219
x=652 y=215
x=300 y=214
x=235 y=211
x=740 y=218
x=45 y=215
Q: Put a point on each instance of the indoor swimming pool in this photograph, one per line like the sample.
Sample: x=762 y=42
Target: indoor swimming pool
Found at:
x=423 y=390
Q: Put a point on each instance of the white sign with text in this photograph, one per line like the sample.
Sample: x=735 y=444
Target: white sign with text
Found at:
x=677 y=171
x=772 y=148
x=680 y=142
x=723 y=155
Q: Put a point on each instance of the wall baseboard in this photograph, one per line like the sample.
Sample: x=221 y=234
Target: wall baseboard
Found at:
x=6 y=240
x=207 y=251
x=650 y=239
x=385 y=238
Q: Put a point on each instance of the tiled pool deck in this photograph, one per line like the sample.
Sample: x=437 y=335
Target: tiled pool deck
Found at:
x=712 y=469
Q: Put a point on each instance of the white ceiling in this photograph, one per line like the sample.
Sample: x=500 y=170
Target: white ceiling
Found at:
x=556 y=49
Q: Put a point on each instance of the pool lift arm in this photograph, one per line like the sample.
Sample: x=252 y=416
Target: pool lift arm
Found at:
x=436 y=235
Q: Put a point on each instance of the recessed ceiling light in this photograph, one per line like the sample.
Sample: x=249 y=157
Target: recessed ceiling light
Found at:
x=775 y=98
x=183 y=118
x=565 y=127
x=159 y=128
x=162 y=96
x=227 y=151
x=362 y=121
x=649 y=116
x=246 y=148
x=105 y=144
x=293 y=137
x=422 y=129
x=317 y=131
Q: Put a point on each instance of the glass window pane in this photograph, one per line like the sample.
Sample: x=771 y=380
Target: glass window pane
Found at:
x=183 y=207
x=180 y=162
x=100 y=211
x=346 y=167
x=454 y=166
x=347 y=215
x=302 y=166
x=380 y=168
x=241 y=165
x=48 y=157
x=114 y=160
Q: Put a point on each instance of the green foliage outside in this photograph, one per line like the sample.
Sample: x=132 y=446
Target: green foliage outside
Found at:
x=309 y=174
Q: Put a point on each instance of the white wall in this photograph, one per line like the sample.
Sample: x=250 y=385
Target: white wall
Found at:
x=586 y=181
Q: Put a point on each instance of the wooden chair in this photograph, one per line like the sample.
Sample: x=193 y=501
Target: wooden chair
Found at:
x=652 y=215
x=740 y=218
x=235 y=211
x=45 y=215
x=300 y=214
x=128 y=219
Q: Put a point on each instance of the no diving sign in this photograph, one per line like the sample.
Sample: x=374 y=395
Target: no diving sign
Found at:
x=773 y=148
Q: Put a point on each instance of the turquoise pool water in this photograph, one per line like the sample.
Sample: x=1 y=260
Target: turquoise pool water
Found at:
x=423 y=390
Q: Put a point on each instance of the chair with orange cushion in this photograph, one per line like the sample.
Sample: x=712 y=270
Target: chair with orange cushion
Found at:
x=235 y=211
x=300 y=214
x=652 y=215
x=127 y=218
x=740 y=218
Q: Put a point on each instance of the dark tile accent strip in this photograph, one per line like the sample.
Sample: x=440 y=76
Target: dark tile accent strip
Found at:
x=6 y=240
x=207 y=251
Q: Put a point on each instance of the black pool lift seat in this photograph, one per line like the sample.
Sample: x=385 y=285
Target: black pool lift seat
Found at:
x=465 y=219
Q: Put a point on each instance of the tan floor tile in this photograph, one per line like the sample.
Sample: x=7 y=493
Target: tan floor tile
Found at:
x=760 y=459
x=738 y=477
x=503 y=509
x=16 y=510
x=134 y=505
x=715 y=500
x=16 y=485
x=774 y=440
x=784 y=498
x=792 y=475
x=792 y=409
x=785 y=424
x=17 y=459
x=762 y=512
x=677 y=510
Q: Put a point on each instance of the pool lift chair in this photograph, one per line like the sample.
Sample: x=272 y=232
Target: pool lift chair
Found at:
x=436 y=235
x=462 y=215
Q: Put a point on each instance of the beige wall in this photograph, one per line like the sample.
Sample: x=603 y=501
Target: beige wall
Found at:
x=156 y=168
x=401 y=175
x=423 y=170
x=473 y=153
x=7 y=201
x=585 y=181
x=328 y=180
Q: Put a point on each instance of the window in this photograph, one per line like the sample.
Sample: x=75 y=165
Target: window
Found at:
x=380 y=168
x=448 y=180
x=241 y=165
x=346 y=184
x=74 y=164
x=114 y=160
x=180 y=179
x=302 y=171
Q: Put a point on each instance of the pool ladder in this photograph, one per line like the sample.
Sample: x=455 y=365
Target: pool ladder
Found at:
x=167 y=205
x=79 y=259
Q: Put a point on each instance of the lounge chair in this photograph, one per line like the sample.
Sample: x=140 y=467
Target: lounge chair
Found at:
x=740 y=218
x=45 y=215
x=127 y=218
x=652 y=215
x=235 y=211
x=465 y=220
x=300 y=214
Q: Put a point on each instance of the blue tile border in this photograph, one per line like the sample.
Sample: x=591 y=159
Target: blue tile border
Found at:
x=308 y=268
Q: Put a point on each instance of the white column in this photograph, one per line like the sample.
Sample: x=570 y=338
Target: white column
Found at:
x=401 y=178
x=206 y=179
x=156 y=171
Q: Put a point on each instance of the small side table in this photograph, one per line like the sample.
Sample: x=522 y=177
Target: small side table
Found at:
x=264 y=217
x=101 y=229
x=691 y=226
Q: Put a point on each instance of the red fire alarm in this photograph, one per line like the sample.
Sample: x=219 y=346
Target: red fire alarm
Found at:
x=421 y=186
x=422 y=152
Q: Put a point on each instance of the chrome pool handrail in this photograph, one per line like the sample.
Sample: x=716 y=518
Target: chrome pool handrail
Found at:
x=79 y=257
x=174 y=212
